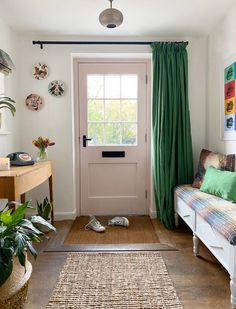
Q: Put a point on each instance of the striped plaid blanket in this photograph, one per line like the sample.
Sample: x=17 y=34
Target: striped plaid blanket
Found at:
x=219 y=213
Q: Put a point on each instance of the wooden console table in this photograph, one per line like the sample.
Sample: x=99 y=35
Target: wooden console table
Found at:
x=15 y=182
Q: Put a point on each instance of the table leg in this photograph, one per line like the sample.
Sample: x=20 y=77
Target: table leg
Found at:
x=51 y=197
x=11 y=199
x=22 y=198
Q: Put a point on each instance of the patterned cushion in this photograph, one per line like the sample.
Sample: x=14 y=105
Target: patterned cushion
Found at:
x=210 y=158
x=219 y=213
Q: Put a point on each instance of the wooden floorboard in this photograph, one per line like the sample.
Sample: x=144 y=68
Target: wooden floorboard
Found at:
x=201 y=282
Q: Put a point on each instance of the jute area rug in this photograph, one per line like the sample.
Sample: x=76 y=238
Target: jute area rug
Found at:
x=124 y=280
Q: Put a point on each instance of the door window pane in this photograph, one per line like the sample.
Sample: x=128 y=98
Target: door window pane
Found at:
x=112 y=86
x=95 y=110
x=129 y=134
x=95 y=86
x=129 y=86
x=129 y=110
x=112 y=110
x=112 y=133
x=95 y=131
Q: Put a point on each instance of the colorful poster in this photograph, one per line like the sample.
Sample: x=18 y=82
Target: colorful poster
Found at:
x=230 y=97
x=230 y=107
x=230 y=90
x=230 y=73
x=230 y=122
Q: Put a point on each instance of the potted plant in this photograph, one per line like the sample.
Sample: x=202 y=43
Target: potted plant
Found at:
x=16 y=237
x=44 y=210
x=6 y=102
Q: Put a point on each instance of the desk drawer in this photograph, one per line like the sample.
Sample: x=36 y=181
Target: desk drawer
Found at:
x=186 y=213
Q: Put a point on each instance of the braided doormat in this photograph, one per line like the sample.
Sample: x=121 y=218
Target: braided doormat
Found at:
x=114 y=280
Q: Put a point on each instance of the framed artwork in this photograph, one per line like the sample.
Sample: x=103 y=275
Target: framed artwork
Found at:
x=228 y=104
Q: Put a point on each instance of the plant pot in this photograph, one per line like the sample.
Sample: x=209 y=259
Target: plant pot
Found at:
x=14 y=291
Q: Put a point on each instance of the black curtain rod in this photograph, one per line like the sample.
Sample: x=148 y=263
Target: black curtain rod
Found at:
x=41 y=43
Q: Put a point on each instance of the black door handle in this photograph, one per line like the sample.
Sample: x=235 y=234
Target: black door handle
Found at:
x=85 y=139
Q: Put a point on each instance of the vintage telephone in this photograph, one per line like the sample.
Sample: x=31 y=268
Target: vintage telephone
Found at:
x=20 y=158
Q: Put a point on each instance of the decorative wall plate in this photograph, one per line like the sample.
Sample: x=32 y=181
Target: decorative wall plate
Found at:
x=34 y=102
x=40 y=71
x=56 y=88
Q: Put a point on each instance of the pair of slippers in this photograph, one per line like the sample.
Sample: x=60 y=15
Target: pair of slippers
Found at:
x=96 y=226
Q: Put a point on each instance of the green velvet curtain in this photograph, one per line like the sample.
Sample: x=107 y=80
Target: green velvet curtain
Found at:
x=172 y=142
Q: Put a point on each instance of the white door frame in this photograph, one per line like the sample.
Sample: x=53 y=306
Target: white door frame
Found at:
x=83 y=58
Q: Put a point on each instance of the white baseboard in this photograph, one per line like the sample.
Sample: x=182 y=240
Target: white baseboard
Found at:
x=60 y=215
x=152 y=213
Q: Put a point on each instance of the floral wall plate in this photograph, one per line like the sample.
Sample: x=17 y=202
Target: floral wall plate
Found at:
x=56 y=88
x=34 y=102
x=40 y=71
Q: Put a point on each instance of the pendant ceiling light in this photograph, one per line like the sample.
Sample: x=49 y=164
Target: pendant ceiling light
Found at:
x=111 y=18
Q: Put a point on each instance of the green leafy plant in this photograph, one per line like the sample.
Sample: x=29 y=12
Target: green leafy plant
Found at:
x=6 y=102
x=44 y=209
x=16 y=236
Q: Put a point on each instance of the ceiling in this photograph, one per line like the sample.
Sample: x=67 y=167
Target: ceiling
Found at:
x=141 y=17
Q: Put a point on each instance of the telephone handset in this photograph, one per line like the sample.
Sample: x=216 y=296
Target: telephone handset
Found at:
x=20 y=159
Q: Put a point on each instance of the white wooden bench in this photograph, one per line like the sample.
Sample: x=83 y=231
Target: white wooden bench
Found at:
x=214 y=241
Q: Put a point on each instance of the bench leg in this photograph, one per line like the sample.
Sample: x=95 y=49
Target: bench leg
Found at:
x=176 y=219
x=233 y=291
x=195 y=245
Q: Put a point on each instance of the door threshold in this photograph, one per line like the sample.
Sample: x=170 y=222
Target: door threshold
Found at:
x=111 y=247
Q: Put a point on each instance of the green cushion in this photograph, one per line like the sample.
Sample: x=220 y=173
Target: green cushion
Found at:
x=220 y=183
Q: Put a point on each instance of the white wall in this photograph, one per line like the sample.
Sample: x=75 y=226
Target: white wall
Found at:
x=222 y=44
x=9 y=143
x=197 y=52
x=55 y=120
